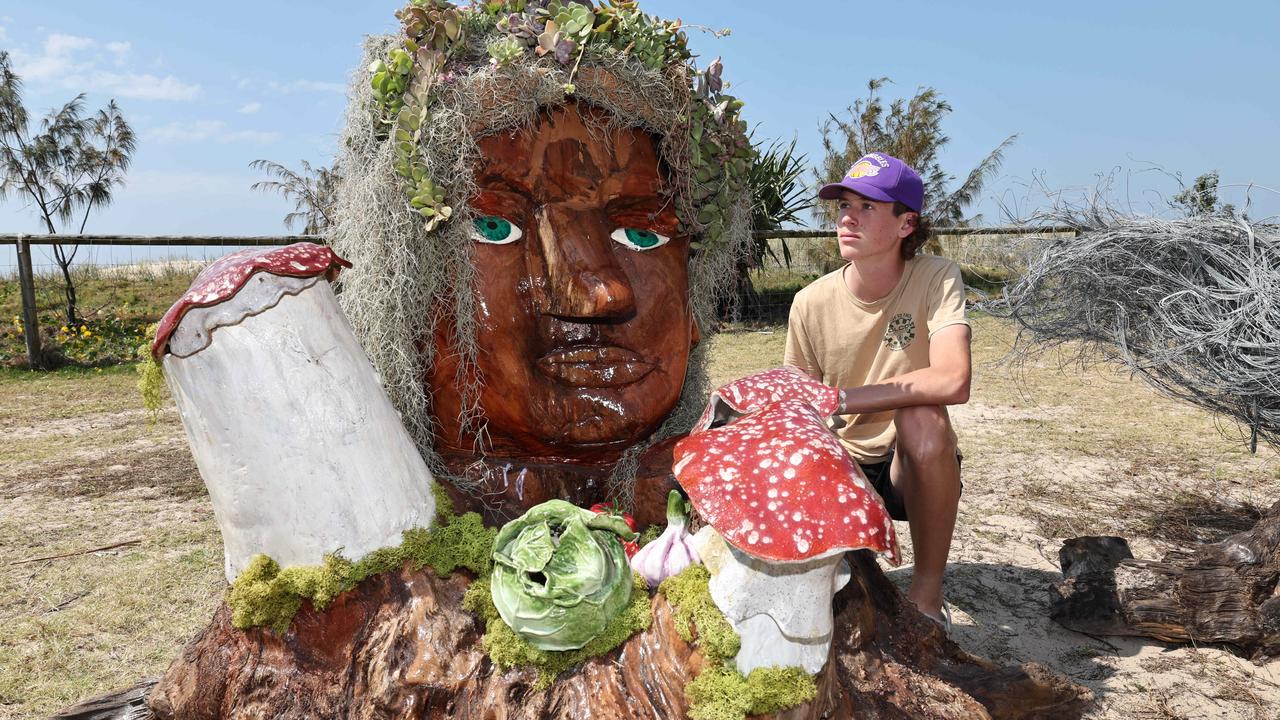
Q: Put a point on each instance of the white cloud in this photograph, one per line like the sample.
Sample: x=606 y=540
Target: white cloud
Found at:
x=314 y=86
x=62 y=45
x=163 y=182
x=257 y=137
x=142 y=86
x=4 y=34
x=292 y=87
x=76 y=62
x=209 y=131
x=120 y=50
x=250 y=108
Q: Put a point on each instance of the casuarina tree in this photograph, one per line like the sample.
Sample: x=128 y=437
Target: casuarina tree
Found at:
x=70 y=166
x=910 y=130
x=1202 y=198
x=311 y=190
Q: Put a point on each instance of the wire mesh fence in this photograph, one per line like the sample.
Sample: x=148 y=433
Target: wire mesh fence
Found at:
x=123 y=283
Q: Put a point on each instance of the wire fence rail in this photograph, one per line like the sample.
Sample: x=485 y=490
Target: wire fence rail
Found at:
x=792 y=259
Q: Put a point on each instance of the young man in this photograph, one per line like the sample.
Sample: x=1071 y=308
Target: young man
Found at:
x=889 y=330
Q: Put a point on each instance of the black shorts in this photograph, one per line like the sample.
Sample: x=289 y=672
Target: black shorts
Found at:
x=878 y=475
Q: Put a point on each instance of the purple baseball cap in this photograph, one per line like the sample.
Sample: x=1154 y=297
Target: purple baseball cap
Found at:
x=880 y=177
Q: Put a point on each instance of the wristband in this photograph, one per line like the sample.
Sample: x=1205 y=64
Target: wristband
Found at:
x=842 y=409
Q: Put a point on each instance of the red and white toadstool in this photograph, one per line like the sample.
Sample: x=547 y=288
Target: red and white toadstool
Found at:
x=769 y=386
x=301 y=450
x=787 y=499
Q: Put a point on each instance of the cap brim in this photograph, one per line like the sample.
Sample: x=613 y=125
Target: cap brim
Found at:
x=833 y=190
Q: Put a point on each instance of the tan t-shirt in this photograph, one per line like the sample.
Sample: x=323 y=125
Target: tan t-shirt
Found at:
x=845 y=342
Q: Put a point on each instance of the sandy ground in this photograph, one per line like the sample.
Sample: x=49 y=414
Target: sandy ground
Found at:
x=1002 y=565
x=1050 y=453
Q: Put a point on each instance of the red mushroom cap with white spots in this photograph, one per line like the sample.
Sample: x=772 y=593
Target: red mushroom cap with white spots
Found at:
x=753 y=392
x=224 y=278
x=778 y=485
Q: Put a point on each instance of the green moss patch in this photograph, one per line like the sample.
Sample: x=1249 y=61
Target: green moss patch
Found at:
x=266 y=595
x=650 y=534
x=722 y=693
x=150 y=375
x=690 y=597
x=508 y=650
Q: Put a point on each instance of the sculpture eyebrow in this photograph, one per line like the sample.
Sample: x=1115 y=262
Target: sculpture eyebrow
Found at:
x=497 y=181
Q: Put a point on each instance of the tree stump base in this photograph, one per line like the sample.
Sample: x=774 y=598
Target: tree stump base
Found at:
x=1223 y=593
x=400 y=646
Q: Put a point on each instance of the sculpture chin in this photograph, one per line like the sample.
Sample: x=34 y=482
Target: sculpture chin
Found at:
x=598 y=422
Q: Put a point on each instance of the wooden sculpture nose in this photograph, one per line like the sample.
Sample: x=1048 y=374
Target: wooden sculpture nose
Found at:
x=583 y=277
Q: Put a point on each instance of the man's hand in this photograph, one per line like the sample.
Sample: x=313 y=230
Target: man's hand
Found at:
x=944 y=382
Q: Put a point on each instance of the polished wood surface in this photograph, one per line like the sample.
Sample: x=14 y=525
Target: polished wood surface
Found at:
x=583 y=340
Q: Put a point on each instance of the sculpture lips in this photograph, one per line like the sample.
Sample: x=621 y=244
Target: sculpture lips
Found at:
x=594 y=366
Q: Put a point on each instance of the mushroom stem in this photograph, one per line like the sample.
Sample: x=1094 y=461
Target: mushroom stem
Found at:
x=301 y=450
x=781 y=611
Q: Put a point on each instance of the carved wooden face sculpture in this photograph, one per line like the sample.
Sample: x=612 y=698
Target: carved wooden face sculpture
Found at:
x=583 y=320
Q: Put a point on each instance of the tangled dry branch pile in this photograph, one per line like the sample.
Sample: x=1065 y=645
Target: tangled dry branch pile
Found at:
x=1192 y=305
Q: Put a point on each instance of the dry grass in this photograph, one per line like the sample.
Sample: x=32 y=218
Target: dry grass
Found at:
x=84 y=467
x=1077 y=451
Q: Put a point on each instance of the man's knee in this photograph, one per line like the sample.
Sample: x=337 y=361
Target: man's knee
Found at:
x=924 y=433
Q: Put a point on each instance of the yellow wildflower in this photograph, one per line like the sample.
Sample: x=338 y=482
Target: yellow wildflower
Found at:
x=65 y=329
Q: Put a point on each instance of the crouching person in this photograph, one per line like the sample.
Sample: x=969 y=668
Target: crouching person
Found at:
x=889 y=330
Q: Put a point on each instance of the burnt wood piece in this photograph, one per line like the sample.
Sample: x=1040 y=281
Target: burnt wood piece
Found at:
x=1086 y=600
x=1225 y=592
x=129 y=704
x=400 y=646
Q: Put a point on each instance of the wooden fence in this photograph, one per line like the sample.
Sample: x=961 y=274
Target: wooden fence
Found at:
x=24 y=243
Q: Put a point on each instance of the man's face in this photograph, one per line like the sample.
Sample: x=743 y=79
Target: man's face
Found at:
x=582 y=313
x=868 y=228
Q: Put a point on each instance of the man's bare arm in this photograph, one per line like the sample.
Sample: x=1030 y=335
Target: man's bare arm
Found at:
x=944 y=382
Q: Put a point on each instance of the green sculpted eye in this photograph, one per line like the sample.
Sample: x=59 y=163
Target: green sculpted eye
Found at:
x=494 y=230
x=638 y=239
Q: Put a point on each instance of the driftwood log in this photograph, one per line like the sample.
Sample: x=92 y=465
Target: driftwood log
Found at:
x=400 y=646
x=128 y=704
x=1221 y=593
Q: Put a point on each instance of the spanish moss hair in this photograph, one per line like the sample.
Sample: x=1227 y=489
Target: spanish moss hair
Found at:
x=407 y=279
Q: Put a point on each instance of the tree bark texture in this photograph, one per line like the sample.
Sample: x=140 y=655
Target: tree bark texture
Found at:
x=400 y=646
x=1225 y=592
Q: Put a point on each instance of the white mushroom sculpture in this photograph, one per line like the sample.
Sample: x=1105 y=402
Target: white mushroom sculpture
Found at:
x=767 y=474
x=301 y=450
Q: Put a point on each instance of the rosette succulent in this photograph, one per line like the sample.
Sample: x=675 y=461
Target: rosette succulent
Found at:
x=560 y=574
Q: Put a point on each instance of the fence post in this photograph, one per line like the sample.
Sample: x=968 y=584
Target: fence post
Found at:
x=30 y=322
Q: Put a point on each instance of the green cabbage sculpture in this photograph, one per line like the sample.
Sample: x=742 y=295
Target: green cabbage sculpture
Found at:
x=560 y=574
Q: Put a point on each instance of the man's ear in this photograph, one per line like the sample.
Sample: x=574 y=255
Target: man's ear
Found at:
x=910 y=221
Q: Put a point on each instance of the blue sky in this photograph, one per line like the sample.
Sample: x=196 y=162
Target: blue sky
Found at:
x=1090 y=87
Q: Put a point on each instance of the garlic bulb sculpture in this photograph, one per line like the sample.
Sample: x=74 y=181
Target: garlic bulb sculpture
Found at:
x=673 y=550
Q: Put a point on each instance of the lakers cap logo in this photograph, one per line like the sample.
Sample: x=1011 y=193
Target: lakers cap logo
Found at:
x=868 y=166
